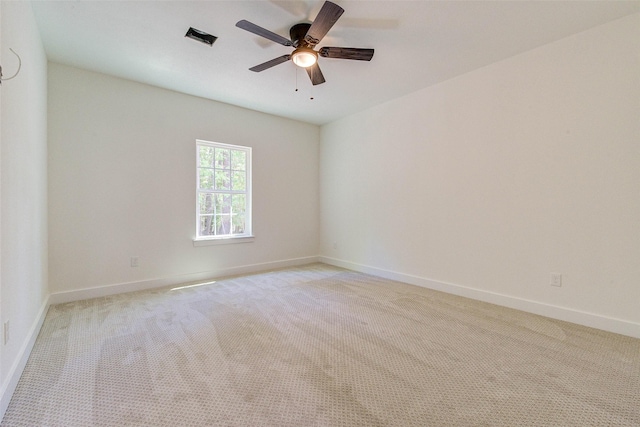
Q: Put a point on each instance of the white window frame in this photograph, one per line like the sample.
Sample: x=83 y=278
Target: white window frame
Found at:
x=247 y=236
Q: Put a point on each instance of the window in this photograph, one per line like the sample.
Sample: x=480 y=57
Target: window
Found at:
x=223 y=191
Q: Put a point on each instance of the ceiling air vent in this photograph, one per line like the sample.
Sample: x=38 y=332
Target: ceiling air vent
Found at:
x=201 y=36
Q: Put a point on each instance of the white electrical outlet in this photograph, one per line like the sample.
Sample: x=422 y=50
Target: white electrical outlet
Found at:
x=5 y=332
x=556 y=279
x=135 y=261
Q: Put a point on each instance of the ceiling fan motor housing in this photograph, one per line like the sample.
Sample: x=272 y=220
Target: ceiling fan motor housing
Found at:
x=297 y=33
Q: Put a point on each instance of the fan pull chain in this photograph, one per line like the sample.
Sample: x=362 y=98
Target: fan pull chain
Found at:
x=297 y=71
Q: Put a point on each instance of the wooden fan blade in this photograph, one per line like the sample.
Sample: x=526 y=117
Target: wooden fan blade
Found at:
x=262 y=32
x=347 y=53
x=327 y=16
x=269 y=64
x=315 y=74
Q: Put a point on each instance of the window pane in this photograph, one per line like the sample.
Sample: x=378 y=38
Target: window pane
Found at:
x=206 y=203
x=223 y=180
x=223 y=158
x=239 y=180
x=206 y=226
x=223 y=224
x=223 y=203
x=238 y=160
x=238 y=223
x=205 y=181
x=205 y=156
x=239 y=203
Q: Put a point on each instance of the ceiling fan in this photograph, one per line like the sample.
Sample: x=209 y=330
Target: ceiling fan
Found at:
x=304 y=38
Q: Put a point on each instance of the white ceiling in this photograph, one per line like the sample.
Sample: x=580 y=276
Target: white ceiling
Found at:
x=417 y=44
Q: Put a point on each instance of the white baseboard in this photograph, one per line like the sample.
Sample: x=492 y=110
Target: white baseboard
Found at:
x=9 y=386
x=102 y=291
x=555 y=312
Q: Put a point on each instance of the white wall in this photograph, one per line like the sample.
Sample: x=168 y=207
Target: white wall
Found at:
x=122 y=184
x=23 y=190
x=486 y=183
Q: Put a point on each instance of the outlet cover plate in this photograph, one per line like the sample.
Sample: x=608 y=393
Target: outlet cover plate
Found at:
x=556 y=279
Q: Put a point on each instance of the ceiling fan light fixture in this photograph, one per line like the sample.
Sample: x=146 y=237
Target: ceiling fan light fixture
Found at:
x=304 y=57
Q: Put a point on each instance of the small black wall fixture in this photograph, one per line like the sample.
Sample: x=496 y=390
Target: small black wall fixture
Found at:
x=17 y=71
x=201 y=36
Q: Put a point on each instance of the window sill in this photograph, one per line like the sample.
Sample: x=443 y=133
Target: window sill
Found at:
x=223 y=241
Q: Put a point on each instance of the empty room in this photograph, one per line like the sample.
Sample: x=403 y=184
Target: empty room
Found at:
x=319 y=213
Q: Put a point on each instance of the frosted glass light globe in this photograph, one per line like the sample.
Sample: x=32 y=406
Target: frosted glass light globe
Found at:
x=304 y=57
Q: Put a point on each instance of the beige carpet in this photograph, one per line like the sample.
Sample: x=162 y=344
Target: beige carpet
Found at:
x=320 y=346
